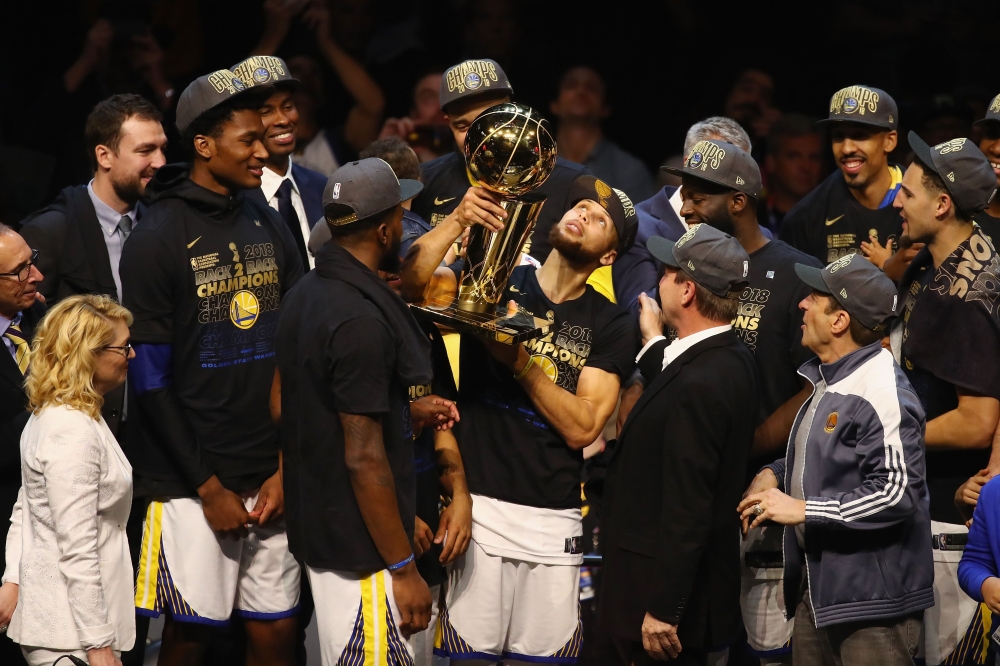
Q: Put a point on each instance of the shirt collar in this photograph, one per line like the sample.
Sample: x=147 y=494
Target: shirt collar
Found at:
x=677 y=202
x=681 y=345
x=5 y=323
x=270 y=181
x=106 y=215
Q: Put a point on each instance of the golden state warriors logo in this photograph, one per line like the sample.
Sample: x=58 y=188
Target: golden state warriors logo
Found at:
x=473 y=81
x=854 y=99
x=705 y=154
x=261 y=75
x=470 y=75
x=225 y=81
x=850 y=105
x=244 y=309
x=546 y=365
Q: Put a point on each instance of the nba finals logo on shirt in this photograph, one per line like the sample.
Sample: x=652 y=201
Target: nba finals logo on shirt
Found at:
x=225 y=81
x=258 y=70
x=953 y=146
x=470 y=75
x=854 y=99
x=705 y=154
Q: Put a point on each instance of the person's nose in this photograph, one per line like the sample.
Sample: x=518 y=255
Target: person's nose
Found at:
x=35 y=275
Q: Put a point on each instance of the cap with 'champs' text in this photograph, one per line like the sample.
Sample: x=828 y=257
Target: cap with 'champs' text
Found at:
x=209 y=91
x=264 y=71
x=358 y=190
x=965 y=171
x=721 y=163
x=713 y=259
x=863 y=105
x=858 y=285
x=472 y=78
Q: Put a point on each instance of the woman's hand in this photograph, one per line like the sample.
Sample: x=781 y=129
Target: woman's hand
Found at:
x=8 y=602
x=103 y=657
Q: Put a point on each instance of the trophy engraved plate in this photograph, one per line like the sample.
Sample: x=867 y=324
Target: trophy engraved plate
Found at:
x=509 y=150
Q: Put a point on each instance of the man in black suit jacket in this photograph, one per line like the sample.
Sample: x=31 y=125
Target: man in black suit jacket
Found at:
x=19 y=314
x=293 y=190
x=671 y=578
x=79 y=237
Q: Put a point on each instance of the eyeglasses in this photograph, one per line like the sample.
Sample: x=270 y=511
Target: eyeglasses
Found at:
x=125 y=349
x=23 y=273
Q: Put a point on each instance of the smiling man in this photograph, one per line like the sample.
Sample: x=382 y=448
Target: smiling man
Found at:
x=989 y=143
x=854 y=205
x=293 y=190
x=204 y=276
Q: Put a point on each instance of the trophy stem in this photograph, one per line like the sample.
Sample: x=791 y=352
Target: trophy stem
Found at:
x=491 y=256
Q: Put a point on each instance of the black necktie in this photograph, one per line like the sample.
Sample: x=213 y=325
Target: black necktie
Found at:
x=287 y=212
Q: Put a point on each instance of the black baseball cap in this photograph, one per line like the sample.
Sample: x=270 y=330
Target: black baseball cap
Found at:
x=358 y=190
x=209 y=91
x=863 y=105
x=472 y=78
x=613 y=200
x=721 y=163
x=713 y=259
x=863 y=290
x=265 y=71
x=992 y=113
x=963 y=168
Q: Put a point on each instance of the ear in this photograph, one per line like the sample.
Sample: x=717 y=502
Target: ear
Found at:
x=688 y=295
x=609 y=257
x=103 y=155
x=383 y=234
x=891 y=139
x=738 y=202
x=943 y=205
x=204 y=146
x=841 y=322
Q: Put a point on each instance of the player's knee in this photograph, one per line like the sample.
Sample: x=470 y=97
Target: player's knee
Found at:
x=271 y=634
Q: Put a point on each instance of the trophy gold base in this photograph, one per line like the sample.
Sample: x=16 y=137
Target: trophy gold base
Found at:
x=491 y=324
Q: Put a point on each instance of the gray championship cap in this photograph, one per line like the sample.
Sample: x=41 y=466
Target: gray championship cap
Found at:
x=963 y=168
x=723 y=164
x=713 y=259
x=865 y=106
x=264 y=70
x=992 y=113
x=209 y=91
x=358 y=190
x=863 y=290
x=472 y=78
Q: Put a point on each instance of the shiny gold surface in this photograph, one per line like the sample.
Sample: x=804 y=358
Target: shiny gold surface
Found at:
x=510 y=150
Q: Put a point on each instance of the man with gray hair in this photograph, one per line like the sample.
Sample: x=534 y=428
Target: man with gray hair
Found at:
x=660 y=216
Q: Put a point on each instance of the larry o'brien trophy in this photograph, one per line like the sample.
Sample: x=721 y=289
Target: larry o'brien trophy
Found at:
x=510 y=151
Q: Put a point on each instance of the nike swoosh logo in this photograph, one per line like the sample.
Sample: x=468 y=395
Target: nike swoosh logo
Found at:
x=514 y=290
x=441 y=202
x=829 y=222
x=191 y=244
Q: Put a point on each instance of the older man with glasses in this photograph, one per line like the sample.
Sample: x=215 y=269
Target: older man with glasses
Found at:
x=20 y=310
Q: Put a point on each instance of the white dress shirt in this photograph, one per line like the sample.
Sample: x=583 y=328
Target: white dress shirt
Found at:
x=4 y=325
x=109 y=219
x=681 y=345
x=676 y=202
x=66 y=547
x=269 y=184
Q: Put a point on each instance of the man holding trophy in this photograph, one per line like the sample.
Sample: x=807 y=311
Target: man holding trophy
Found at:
x=528 y=409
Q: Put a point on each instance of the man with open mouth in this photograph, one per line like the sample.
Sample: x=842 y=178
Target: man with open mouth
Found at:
x=989 y=143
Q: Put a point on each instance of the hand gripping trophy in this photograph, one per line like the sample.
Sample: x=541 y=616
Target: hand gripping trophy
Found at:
x=510 y=151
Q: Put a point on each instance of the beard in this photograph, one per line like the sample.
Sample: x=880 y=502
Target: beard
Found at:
x=572 y=249
x=391 y=262
x=131 y=188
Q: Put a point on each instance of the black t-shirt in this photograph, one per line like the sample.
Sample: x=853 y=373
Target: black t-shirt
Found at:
x=951 y=338
x=990 y=226
x=510 y=452
x=205 y=274
x=425 y=459
x=446 y=180
x=830 y=223
x=769 y=322
x=336 y=354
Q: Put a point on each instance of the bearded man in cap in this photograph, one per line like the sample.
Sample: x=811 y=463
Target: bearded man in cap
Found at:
x=989 y=143
x=851 y=489
x=348 y=351
x=951 y=287
x=671 y=581
x=528 y=411
x=204 y=275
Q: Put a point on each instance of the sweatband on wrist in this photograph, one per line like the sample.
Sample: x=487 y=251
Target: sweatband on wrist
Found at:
x=399 y=565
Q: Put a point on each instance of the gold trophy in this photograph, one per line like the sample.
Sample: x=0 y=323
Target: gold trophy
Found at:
x=510 y=151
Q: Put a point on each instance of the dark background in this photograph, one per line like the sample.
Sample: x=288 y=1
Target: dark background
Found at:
x=667 y=63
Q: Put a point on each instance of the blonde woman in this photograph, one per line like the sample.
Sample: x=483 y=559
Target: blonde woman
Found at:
x=66 y=547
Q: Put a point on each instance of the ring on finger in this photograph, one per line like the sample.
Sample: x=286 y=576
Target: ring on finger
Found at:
x=758 y=510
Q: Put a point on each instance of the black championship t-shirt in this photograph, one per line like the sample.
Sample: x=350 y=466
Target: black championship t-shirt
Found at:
x=510 y=452
x=208 y=280
x=990 y=226
x=951 y=338
x=446 y=180
x=770 y=323
x=830 y=223
x=336 y=355
x=425 y=459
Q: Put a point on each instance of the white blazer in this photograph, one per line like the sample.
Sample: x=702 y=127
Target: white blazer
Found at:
x=66 y=547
